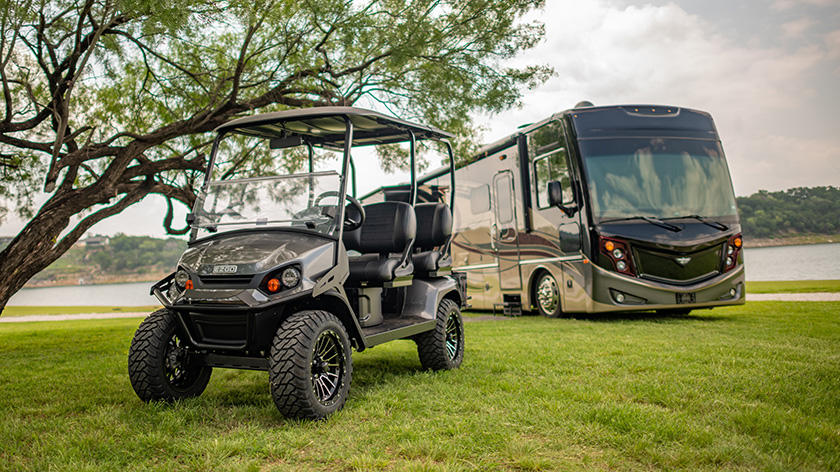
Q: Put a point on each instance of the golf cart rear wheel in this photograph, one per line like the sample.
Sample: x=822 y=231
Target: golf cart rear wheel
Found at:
x=158 y=362
x=310 y=365
x=443 y=347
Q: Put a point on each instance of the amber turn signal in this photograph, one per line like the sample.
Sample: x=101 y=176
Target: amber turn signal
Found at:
x=273 y=285
x=609 y=246
x=188 y=285
x=737 y=242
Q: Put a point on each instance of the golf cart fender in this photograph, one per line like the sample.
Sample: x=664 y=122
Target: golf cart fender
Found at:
x=424 y=296
x=336 y=302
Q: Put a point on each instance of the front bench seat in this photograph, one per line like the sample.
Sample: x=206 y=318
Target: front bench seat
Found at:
x=434 y=230
x=385 y=240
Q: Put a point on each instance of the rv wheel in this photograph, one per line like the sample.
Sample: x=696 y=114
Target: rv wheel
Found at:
x=443 y=347
x=158 y=362
x=310 y=365
x=547 y=296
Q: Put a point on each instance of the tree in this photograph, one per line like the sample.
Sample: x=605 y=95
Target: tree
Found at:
x=108 y=101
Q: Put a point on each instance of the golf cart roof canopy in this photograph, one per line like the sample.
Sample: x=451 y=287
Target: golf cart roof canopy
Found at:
x=326 y=126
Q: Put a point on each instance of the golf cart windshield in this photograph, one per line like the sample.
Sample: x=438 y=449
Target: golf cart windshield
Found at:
x=260 y=147
x=305 y=201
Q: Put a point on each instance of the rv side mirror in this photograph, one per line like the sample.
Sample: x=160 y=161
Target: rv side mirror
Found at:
x=555 y=193
x=555 y=198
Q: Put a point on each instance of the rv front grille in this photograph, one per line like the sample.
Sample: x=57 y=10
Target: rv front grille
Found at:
x=679 y=268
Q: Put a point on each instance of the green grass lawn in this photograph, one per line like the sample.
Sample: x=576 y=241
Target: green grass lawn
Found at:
x=753 y=387
x=794 y=286
x=10 y=311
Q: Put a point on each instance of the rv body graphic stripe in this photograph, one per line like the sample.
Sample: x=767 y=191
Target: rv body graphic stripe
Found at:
x=551 y=259
x=477 y=266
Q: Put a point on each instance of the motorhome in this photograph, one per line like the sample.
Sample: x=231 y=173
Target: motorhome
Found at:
x=593 y=210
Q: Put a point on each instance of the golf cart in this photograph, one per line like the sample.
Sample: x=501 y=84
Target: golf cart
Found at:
x=285 y=273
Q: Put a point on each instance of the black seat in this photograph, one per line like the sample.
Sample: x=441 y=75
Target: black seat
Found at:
x=434 y=230
x=385 y=240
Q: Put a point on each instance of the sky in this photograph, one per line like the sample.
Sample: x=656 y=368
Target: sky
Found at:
x=767 y=70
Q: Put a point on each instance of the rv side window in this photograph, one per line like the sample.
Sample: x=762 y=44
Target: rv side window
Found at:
x=480 y=199
x=548 y=167
x=504 y=198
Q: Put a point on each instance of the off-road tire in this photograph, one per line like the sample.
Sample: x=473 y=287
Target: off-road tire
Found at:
x=443 y=347
x=157 y=362
x=310 y=365
x=547 y=296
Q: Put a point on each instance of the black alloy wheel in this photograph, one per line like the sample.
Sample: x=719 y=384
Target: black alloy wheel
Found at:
x=443 y=347
x=159 y=362
x=310 y=365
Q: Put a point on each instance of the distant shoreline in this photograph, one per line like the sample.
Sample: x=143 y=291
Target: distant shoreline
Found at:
x=790 y=241
x=112 y=279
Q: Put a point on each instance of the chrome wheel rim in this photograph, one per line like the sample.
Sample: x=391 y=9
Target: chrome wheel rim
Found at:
x=548 y=296
x=327 y=368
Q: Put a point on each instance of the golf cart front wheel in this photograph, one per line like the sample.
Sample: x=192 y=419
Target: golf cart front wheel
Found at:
x=159 y=362
x=310 y=365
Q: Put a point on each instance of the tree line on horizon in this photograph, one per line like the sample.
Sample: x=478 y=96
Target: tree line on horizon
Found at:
x=792 y=212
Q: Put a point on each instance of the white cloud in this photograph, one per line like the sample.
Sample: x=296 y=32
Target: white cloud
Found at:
x=783 y=5
x=797 y=28
x=610 y=54
x=832 y=43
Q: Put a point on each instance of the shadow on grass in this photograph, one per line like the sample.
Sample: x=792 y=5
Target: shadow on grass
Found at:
x=648 y=316
x=240 y=397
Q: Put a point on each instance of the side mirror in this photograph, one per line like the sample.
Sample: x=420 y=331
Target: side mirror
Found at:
x=555 y=193
x=555 y=198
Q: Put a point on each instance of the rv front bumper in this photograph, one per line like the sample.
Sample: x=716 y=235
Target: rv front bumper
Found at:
x=614 y=292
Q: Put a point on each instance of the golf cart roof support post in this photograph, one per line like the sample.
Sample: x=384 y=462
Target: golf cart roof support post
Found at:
x=353 y=170
x=412 y=155
x=445 y=249
x=311 y=155
x=342 y=190
x=207 y=175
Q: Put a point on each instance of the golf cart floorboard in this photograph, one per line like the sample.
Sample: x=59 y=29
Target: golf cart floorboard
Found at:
x=396 y=328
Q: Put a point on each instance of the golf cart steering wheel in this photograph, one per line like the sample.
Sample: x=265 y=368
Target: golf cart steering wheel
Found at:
x=354 y=213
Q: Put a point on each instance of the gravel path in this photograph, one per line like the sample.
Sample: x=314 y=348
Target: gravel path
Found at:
x=751 y=297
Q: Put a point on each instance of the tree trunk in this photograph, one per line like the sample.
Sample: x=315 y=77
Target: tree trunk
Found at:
x=38 y=244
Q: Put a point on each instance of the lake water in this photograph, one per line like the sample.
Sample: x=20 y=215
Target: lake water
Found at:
x=806 y=262
x=133 y=294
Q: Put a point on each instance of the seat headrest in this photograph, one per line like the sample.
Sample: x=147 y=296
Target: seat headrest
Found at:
x=388 y=227
x=434 y=224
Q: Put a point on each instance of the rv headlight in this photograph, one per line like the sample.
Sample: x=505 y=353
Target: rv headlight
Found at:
x=618 y=253
x=291 y=277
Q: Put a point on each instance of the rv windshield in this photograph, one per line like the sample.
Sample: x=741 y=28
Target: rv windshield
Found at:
x=662 y=178
x=304 y=201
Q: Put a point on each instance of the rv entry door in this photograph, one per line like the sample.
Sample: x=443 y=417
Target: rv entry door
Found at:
x=504 y=232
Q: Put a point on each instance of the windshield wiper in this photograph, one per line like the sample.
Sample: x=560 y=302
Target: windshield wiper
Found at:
x=650 y=220
x=706 y=221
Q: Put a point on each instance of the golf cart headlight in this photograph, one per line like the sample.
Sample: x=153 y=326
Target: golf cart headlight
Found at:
x=291 y=277
x=181 y=279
